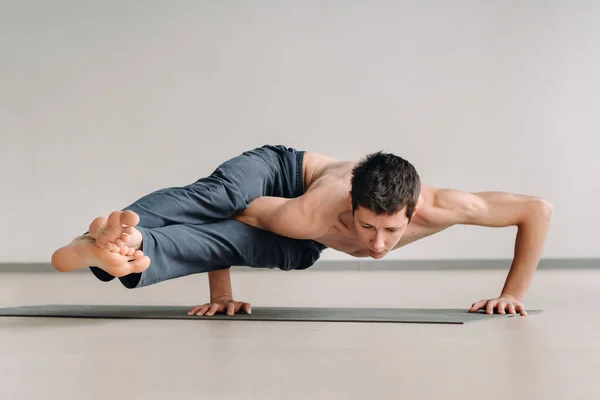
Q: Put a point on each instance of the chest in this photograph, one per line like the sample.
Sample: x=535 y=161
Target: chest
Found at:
x=345 y=243
x=346 y=240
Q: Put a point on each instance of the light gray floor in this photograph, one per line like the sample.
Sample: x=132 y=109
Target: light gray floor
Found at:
x=553 y=355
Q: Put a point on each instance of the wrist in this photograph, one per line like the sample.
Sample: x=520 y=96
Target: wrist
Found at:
x=224 y=296
x=514 y=295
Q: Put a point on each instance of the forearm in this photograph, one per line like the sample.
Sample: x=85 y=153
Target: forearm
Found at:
x=529 y=244
x=219 y=283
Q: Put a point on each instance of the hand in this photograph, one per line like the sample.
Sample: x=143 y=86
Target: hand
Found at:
x=219 y=305
x=504 y=303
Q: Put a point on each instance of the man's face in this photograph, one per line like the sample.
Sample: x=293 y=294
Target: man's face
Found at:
x=379 y=233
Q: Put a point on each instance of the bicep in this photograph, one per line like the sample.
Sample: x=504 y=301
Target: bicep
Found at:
x=492 y=209
x=295 y=218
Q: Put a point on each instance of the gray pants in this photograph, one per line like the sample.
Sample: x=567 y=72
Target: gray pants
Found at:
x=187 y=230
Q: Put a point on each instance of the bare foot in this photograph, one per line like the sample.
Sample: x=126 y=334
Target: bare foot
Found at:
x=82 y=252
x=117 y=233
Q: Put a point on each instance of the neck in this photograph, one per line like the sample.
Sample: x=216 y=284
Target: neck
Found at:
x=347 y=219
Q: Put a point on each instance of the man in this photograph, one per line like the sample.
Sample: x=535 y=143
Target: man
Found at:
x=278 y=207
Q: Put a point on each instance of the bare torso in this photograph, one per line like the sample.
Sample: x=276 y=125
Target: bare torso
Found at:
x=322 y=171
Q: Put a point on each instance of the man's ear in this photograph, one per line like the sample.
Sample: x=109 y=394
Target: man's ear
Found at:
x=414 y=213
x=420 y=202
x=417 y=206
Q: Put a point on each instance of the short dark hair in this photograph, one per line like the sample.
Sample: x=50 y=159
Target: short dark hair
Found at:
x=384 y=183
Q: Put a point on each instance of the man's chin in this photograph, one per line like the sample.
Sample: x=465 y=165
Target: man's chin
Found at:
x=377 y=256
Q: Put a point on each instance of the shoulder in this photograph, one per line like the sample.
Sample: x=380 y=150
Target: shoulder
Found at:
x=314 y=162
x=317 y=166
x=446 y=206
x=313 y=157
x=325 y=199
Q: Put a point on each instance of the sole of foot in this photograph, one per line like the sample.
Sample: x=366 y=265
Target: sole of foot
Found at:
x=117 y=233
x=83 y=252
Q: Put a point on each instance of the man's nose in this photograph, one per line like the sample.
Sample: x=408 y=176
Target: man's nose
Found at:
x=378 y=243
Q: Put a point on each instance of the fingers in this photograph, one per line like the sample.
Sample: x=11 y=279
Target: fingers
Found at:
x=199 y=310
x=194 y=310
x=521 y=309
x=237 y=306
x=213 y=309
x=203 y=310
x=478 y=306
x=247 y=308
x=511 y=308
x=491 y=304
x=208 y=309
x=231 y=308
x=501 y=307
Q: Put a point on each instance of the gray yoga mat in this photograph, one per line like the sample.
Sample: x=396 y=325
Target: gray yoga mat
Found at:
x=394 y=315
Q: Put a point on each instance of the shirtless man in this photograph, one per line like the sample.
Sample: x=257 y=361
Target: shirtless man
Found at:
x=278 y=207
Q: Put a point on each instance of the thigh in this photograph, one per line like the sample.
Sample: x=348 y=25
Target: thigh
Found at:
x=234 y=243
x=265 y=171
x=180 y=250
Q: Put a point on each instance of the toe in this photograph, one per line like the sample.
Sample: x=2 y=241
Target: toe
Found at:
x=97 y=226
x=129 y=218
x=140 y=264
x=113 y=248
x=113 y=226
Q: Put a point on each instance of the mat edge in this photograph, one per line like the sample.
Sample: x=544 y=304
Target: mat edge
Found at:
x=366 y=265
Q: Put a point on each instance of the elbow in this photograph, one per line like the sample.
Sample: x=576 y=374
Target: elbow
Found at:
x=540 y=211
x=249 y=220
x=537 y=211
x=544 y=207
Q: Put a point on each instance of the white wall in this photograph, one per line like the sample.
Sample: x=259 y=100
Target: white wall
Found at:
x=102 y=102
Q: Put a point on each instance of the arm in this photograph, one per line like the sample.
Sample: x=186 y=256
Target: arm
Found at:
x=219 y=283
x=531 y=216
x=304 y=217
x=221 y=296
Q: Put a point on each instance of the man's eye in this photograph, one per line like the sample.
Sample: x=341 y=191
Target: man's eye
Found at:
x=366 y=226
x=391 y=230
